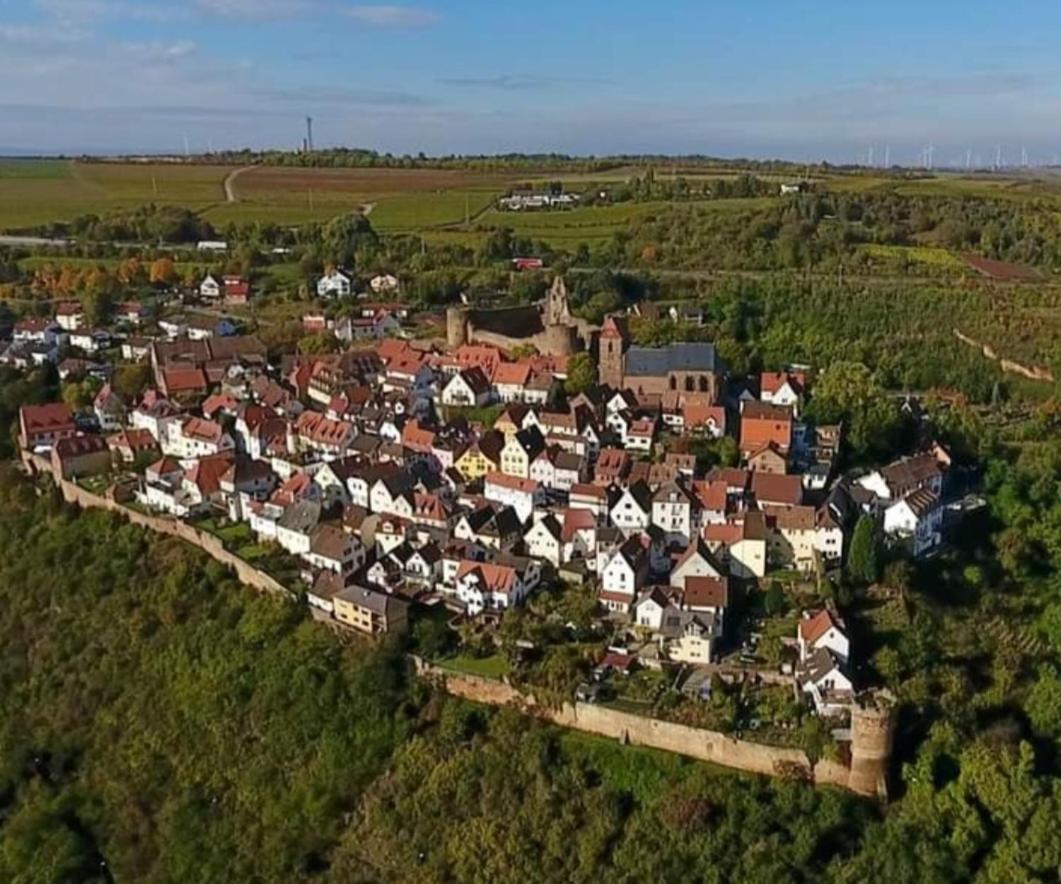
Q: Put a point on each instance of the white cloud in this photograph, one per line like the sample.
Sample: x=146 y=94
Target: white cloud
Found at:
x=257 y=9
x=392 y=16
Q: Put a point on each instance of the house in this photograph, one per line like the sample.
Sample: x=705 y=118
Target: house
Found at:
x=370 y=611
x=520 y=450
x=246 y=480
x=761 y=424
x=917 y=518
x=75 y=456
x=767 y=458
x=333 y=549
x=321 y=595
x=672 y=512
x=898 y=479
x=592 y=498
x=90 y=340
x=612 y=467
x=544 y=540
x=41 y=426
x=334 y=284
x=741 y=543
x=632 y=512
x=468 y=387
x=35 y=331
x=237 y=290
x=482 y=456
x=769 y=489
x=196 y=437
x=822 y=676
x=295 y=527
x=383 y=283
x=132 y=446
x=782 y=388
x=109 y=409
x=510 y=380
x=696 y=561
x=792 y=537
x=210 y=289
x=624 y=575
x=822 y=629
x=70 y=316
x=485 y=586
x=520 y=494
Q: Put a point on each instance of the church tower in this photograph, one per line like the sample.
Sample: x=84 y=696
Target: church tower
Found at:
x=610 y=356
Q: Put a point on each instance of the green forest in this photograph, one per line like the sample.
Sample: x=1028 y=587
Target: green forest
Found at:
x=159 y=722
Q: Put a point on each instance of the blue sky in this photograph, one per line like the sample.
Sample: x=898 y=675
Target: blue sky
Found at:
x=773 y=78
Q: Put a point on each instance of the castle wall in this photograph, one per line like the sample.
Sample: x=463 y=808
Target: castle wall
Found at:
x=704 y=745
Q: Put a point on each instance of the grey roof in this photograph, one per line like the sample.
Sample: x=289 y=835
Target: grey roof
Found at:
x=301 y=517
x=377 y=602
x=658 y=361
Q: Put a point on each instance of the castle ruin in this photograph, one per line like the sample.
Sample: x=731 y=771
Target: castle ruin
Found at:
x=549 y=326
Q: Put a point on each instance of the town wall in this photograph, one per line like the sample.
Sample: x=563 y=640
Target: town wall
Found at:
x=872 y=727
x=704 y=745
x=208 y=543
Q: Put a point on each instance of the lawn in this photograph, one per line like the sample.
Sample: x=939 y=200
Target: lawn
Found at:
x=488 y=667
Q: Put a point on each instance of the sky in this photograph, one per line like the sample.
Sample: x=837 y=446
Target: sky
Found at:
x=807 y=81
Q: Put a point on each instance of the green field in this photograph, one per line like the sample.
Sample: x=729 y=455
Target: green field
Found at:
x=33 y=193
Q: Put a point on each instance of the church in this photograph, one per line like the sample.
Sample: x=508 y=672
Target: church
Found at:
x=687 y=367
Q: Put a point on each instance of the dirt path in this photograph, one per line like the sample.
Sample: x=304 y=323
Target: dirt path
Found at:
x=230 y=181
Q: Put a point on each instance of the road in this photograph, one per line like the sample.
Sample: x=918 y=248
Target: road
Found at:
x=230 y=181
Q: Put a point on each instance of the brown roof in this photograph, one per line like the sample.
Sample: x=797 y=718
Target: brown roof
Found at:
x=43 y=418
x=705 y=592
x=771 y=488
x=329 y=542
x=75 y=446
x=814 y=627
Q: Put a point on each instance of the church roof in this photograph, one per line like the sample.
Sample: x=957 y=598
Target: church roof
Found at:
x=659 y=361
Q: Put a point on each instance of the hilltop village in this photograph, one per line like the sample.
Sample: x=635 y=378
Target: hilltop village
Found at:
x=615 y=523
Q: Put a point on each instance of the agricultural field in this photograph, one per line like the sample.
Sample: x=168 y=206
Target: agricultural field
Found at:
x=404 y=199
x=39 y=192
x=936 y=258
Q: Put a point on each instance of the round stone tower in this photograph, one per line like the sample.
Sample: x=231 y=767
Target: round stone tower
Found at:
x=872 y=735
x=456 y=326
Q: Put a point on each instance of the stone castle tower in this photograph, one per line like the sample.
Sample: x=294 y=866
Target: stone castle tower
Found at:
x=456 y=326
x=611 y=344
x=872 y=736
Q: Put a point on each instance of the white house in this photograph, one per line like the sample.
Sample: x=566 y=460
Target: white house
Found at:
x=672 y=512
x=632 y=513
x=543 y=540
x=383 y=282
x=487 y=585
x=624 y=575
x=335 y=284
x=196 y=437
x=918 y=518
x=520 y=494
x=469 y=387
x=210 y=288
x=822 y=629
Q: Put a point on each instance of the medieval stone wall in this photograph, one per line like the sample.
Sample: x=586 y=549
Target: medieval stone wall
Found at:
x=704 y=745
x=172 y=527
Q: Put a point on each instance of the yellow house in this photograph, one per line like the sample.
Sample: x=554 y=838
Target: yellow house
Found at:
x=482 y=457
x=370 y=611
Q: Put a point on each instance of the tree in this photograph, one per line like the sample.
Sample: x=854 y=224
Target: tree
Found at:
x=318 y=344
x=163 y=272
x=581 y=373
x=862 y=564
